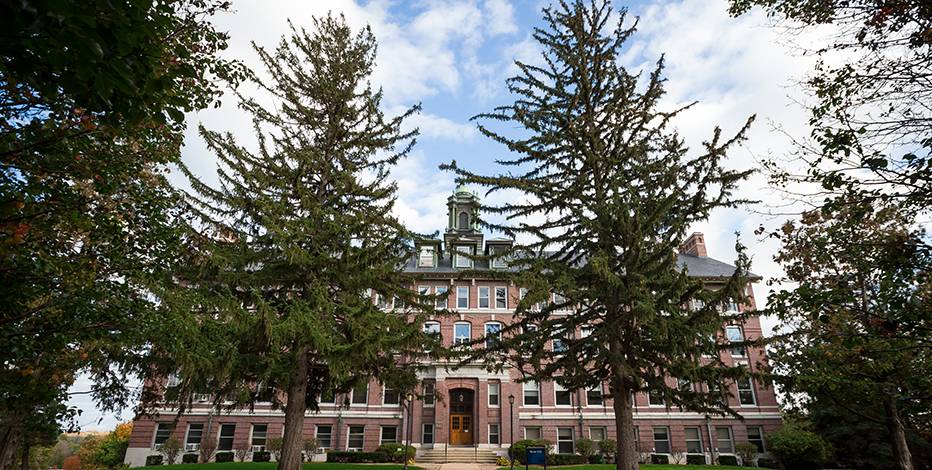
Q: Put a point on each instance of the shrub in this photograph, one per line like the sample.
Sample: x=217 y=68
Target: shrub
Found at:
x=189 y=458
x=565 y=459
x=585 y=447
x=644 y=452
x=153 y=460
x=695 y=459
x=400 y=454
x=596 y=459
x=311 y=444
x=224 y=457
x=207 y=449
x=728 y=460
x=607 y=449
x=503 y=462
x=796 y=448
x=659 y=459
x=767 y=463
x=274 y=446
x=389 y=449
x=170 y=450
x=747 y=452
x=241 y=450
x=356 y=457
x=678 y=457
x=264 y=456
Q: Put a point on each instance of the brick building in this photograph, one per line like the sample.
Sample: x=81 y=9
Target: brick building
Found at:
x=475 y=411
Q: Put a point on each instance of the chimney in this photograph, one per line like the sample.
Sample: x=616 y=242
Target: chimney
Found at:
x=695 y=245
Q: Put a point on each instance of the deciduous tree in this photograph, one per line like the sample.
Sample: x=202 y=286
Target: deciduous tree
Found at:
x=302 y=236
x=858 y=321
x=609 y=192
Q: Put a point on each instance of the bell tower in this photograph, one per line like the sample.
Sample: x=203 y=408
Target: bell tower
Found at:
x=462 y=231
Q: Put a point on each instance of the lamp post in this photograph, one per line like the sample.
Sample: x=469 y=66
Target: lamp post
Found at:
x=511 y=429
x=410 y=398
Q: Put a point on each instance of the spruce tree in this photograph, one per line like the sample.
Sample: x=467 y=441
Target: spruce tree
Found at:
x=300 y=238
x=610 y=191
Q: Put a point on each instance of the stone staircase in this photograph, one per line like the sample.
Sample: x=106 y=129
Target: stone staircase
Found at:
x=459 y=455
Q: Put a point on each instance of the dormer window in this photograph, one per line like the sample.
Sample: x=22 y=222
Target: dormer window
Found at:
x=462 y=257
x=426 y=258
x=500 y=260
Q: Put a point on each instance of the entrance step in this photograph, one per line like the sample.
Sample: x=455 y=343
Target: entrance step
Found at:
x=459 y=455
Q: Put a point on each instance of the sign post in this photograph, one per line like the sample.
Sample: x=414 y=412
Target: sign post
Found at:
x=535 y=455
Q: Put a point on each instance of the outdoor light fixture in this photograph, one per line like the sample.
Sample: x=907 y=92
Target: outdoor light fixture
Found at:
x=410 y=397
x=511 y=429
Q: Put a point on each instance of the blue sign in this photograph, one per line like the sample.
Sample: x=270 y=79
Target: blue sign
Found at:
x=536 y=455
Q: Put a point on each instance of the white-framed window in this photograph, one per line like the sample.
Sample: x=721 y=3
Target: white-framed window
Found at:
x=532 y=432
x=684 y=385
x=559 y=299
x=637 y=437
x=493 y=334
x=426 y=259
x=494 y=434
x=736 y=336
x=258 y=436
x=382 y=302
x=462 y=297
x=655 y=398
x=355 y=438
x=462 y=257
x=661 y=440
x=428 y=399
x=360 y=394
x=756 y=437
x=531 y=395
x=162 y=432
x=594 y=396
x=730 y=306
x=423 y=290
x=698 y=304
x=545 y=303
x=485 y=300
x=597 y=433
x=461 y=333
x=585 y=331
x=390 y=397
x=562 y=396
x=192 y=441
x=494 y=395
x=565 y=440
x=693 y=439
x=328 y=397
x=225 y=437
x=389 y=434
x=559 y=341
x=500 y=260
x=324 y=433
x=745 y=391
x=501 y=298
x=724 y=440
x=432 y=327
x=398 y=303
x=442 y=300
x=427 y=434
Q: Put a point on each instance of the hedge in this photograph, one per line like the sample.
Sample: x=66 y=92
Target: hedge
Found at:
x=517 y=451
x=153 y=460
x=728 y=460
x=767 y=463
x=224 y=457
x=264 y=456
x=695 y=459
x=565 y=459
x=189 y=458
x=659 y=459
x=356 y=457
x=596 y=459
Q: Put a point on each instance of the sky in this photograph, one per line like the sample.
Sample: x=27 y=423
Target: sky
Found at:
x=453 y=57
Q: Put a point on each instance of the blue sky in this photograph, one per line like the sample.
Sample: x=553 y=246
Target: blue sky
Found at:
x=453 y=57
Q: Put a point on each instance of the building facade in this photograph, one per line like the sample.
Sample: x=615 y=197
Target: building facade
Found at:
x=469 y=406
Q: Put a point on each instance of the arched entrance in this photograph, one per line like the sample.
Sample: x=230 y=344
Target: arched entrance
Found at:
x=461 y=417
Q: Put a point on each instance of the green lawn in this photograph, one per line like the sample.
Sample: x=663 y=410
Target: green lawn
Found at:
x=274 y=465
x=643 y=467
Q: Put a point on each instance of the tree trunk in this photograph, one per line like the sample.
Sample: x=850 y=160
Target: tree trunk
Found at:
x=24 y=465
x=9 y=442
x=901 y=457
x=627 y=454
x=295 y=408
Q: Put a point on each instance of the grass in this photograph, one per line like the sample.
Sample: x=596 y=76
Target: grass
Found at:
x=643 y=467
x=274 y=465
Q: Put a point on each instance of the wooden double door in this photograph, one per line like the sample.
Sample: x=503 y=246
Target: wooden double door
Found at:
x=461 y=417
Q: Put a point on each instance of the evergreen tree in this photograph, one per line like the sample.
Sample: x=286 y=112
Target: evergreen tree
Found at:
x=301 y=237
x=614 y=190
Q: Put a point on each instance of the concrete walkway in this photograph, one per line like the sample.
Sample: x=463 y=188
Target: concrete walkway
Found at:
x=461 y=466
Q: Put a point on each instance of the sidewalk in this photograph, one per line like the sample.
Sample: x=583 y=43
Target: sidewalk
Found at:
x=462 y=466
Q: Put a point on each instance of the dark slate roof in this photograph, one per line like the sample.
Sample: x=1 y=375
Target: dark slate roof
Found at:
x=696 y=266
